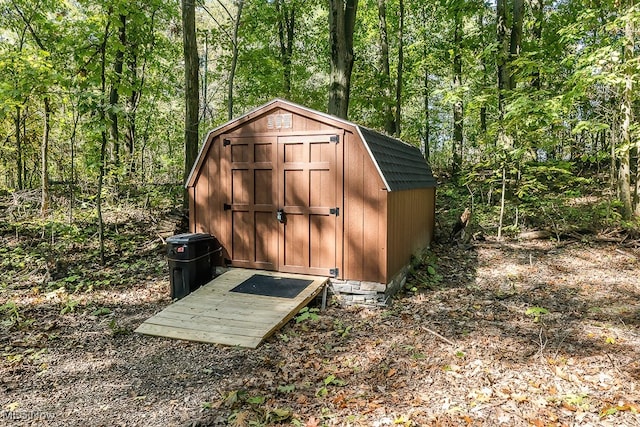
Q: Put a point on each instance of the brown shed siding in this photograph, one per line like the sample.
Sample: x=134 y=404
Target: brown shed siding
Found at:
x=364 y=215
x=383 y=191
x=410 y=223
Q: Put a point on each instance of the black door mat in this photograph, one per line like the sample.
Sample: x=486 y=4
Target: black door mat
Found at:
x=270 y=286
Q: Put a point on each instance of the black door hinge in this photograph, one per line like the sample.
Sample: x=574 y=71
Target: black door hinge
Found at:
x=227 y=207
x=226 y=142
x=334 y=211
x=334 y=272
x=334 y=139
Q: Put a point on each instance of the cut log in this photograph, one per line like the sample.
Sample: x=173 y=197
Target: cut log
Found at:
x=534 y=235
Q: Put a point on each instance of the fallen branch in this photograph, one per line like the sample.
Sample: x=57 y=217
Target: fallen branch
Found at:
x=439 y=336
x=628 y=255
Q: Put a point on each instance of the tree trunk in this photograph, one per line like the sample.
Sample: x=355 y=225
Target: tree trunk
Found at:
x=426 y=93
x=132 y=106
x=342 y=16
x=286 y=32
x=502 y=54
x=537 y=9
x=624 y=183
x=19 y=167
x=385 y=73
x=626 y=108
x=502 y=200
x=45 y=157
x=483 y=59
x=515 y=44
x=400 y=79
x=613 y=144
x=234 y=60
x=114 y=94
x=457 y=88
x=191 y=66
x=72 y=171
x=103 y=139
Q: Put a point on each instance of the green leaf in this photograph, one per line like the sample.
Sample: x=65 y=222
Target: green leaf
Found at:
x=286 y=388
x=101 y=311
x=536 y=311
x=256 y=400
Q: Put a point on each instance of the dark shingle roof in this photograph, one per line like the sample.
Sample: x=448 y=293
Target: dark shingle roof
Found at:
x=402 y=165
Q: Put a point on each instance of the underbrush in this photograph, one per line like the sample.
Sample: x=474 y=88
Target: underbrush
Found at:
x=61 y=250
x=549 y=196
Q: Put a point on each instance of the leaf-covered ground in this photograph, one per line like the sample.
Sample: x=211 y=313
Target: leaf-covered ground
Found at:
x=514 y=334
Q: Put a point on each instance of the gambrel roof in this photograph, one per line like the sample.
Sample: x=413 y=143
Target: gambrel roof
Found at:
x=400 y=165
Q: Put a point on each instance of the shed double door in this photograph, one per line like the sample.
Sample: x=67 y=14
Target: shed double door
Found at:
x=285 y=203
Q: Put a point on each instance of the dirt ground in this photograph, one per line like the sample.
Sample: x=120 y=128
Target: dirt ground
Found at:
x=515 y=334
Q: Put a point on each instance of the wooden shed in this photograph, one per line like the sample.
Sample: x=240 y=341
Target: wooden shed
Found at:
x=289 y=189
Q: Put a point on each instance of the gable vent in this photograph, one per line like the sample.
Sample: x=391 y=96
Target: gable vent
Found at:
x=279 y=121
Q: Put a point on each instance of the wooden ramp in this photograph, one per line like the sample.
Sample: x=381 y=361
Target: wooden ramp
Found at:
x=214 y=314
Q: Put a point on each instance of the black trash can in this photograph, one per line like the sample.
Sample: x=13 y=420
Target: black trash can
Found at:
x=192 y=260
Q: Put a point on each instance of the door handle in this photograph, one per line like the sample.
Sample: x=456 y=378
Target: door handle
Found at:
x=281 y=216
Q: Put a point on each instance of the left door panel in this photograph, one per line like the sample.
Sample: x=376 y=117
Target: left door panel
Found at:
x=248 y=167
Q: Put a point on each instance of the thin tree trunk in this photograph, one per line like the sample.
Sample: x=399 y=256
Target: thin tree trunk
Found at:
x=483 y=60
x=425 y=90
x=427 y=125
x=457 y=88
x=234 y=60
x=626 y=108
x=400 y=79
x=130 y=136
x=342 y=16
x=191 y=68
x=385 y=73
x=515 y=45
x=205 y=78
x=537 y=9
x=103 y=139
x=613 y=143
x=47 y=123
x=114 y=94
x=72 y=172
x=501 y=56
x=45 y=157
x=137 y=84
x=20 y=169
x=502 y=200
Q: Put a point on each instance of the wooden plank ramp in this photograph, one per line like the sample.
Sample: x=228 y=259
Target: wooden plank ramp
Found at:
x=213 y=314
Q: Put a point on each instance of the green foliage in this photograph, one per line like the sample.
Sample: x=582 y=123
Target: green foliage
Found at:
x=10 y=314
x=69 y=306
x=552 y=137
x=289 y=388
x=116 y=329
x=251 y=410
x=327 y=382
x=102 y=311
x=341 y=329
x=541 y=195
x=536 y=313
x=307 y=314
x=423 y=274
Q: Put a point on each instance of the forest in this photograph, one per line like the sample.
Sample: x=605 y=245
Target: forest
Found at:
x=525 y=110
x=515 y=94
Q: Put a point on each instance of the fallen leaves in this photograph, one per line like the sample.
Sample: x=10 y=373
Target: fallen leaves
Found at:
x=610 y=410
x=362 y=367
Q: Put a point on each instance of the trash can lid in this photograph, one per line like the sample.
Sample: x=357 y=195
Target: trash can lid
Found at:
x=188 y=238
